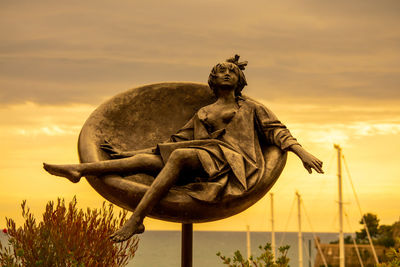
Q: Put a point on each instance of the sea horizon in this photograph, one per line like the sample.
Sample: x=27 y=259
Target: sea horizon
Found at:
x=163 y=248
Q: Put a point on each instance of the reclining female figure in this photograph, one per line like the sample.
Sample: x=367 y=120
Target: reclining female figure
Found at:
x=217 y=154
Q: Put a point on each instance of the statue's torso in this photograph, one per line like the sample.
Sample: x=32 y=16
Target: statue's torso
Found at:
x=216 y=116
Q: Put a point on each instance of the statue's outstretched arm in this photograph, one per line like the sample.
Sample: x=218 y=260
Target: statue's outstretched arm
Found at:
x=276 y=133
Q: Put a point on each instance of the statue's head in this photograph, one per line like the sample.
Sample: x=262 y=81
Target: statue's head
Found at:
x=230 y=64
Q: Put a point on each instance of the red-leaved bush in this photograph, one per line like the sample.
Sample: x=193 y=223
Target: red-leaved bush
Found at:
x=67 y=237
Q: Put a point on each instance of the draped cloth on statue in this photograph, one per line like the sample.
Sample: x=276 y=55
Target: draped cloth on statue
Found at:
x=231 y=157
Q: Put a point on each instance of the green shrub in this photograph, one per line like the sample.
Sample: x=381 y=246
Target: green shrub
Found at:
x=67 y=237
x=264 y=260
x=393 y=257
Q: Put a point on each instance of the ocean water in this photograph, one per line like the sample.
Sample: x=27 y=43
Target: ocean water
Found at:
x=163 y=248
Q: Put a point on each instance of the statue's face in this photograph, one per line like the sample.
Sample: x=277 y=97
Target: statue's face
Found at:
x=226 y=75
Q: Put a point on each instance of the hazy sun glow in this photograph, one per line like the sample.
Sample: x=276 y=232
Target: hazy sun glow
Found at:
x=330 y=71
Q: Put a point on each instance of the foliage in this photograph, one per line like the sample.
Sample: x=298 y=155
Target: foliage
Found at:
x=385 y=236
x=396 y=234
x=372 y=222
x=264 y=260
x=67 y=237
x=381 y=234
x=393 y=258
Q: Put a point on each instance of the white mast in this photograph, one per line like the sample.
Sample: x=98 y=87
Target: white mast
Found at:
x=361 y=213
x=341 y=239
x=272 y=227
x=300 y=239
x=248 y=242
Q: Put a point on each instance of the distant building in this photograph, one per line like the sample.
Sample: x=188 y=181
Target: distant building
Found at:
x=331 y=254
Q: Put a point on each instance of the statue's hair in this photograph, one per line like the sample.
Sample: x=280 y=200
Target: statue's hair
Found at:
x=233 y=64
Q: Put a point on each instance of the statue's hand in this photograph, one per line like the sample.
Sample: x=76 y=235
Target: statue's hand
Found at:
x=309 y=161
x=114 y=152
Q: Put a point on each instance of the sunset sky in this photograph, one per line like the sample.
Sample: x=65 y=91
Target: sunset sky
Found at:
x=330 y=70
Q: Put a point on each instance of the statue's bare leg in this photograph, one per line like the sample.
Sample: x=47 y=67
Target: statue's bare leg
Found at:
x=148 y=163
x=179 y=160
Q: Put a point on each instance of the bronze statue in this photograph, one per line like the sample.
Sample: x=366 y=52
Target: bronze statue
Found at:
x=216 y=157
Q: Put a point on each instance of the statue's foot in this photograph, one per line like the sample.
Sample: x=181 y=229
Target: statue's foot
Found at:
x=129 y=229
x=68 y=171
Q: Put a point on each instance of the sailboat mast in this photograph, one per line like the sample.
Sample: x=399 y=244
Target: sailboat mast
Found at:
x=341 y=238
x=272 y=227
x=248 y=242
x=300 y=238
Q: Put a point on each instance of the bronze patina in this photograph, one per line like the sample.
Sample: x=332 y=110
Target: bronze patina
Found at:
x=184 y=152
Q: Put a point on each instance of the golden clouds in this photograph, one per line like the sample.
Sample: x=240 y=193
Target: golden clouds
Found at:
x=329 y=70
x=295 y=49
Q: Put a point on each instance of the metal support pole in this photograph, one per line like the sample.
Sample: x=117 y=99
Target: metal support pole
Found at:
x=187 y=245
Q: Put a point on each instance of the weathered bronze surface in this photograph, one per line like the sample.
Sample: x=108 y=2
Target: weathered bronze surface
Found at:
x=224 y=152
x=147 y=115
